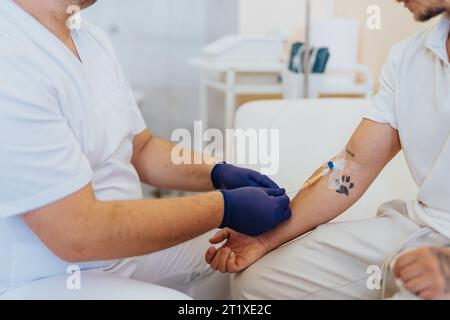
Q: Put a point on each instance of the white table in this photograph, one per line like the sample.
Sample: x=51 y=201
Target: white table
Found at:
x=265 y=79
x=234 y=80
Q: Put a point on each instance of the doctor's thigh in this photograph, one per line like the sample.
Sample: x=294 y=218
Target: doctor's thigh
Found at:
x=182 y=268
x=94 y=285
x=178 y=273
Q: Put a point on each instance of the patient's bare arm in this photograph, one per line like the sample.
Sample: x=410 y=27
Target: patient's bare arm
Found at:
x=371 y=147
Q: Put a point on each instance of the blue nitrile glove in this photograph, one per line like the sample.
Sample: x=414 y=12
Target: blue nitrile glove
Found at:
x=254 y=211
x=227 y=176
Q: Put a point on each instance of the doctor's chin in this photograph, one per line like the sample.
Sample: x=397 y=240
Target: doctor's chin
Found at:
x=248 y=154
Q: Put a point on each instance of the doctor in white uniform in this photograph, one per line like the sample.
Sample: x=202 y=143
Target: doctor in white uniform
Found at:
x=73 y=151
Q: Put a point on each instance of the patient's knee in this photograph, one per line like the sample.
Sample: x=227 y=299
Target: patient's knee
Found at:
x=277 y=276
x=244 y=286
x=258 y=282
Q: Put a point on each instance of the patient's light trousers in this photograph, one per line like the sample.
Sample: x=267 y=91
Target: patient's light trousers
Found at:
x=342 y=260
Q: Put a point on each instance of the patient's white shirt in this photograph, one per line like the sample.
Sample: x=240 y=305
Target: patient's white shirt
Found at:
x=414 y=98
x=63 y=124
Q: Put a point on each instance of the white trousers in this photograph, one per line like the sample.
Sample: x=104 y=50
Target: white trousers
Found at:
x=177 y=273
x=341 y=260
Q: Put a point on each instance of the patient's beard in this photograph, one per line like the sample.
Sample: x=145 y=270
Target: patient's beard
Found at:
x=430 y=13
x=83 y=4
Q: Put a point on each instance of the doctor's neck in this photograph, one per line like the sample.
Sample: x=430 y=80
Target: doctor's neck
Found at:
x=52 y=14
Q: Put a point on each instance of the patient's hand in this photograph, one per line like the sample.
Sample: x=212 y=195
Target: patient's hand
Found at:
x=426 y=272
x=237 y=254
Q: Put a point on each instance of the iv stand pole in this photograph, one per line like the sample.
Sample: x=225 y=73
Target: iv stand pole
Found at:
x=307 y=57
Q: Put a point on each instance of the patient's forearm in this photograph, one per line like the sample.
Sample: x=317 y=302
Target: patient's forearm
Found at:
x=372 y=146
x=317 y=205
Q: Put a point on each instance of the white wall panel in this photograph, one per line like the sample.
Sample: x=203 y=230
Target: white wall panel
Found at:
x=154 y=40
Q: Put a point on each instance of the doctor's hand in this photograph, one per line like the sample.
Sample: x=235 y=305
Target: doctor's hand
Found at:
x=254 y=211
x=226 y=176
x=237 y=254
x=425 y=272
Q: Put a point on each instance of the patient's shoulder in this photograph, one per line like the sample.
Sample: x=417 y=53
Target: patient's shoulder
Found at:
x=412 y=45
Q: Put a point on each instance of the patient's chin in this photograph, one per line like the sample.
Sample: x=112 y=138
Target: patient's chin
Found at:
x=83 y=4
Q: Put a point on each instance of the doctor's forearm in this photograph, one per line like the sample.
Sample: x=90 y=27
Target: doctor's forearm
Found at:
x=84 y=229
x=147 y=226
x=157 y=168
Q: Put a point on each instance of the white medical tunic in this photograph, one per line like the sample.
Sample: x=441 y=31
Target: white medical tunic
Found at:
x=63 y=124
x=415 y=99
